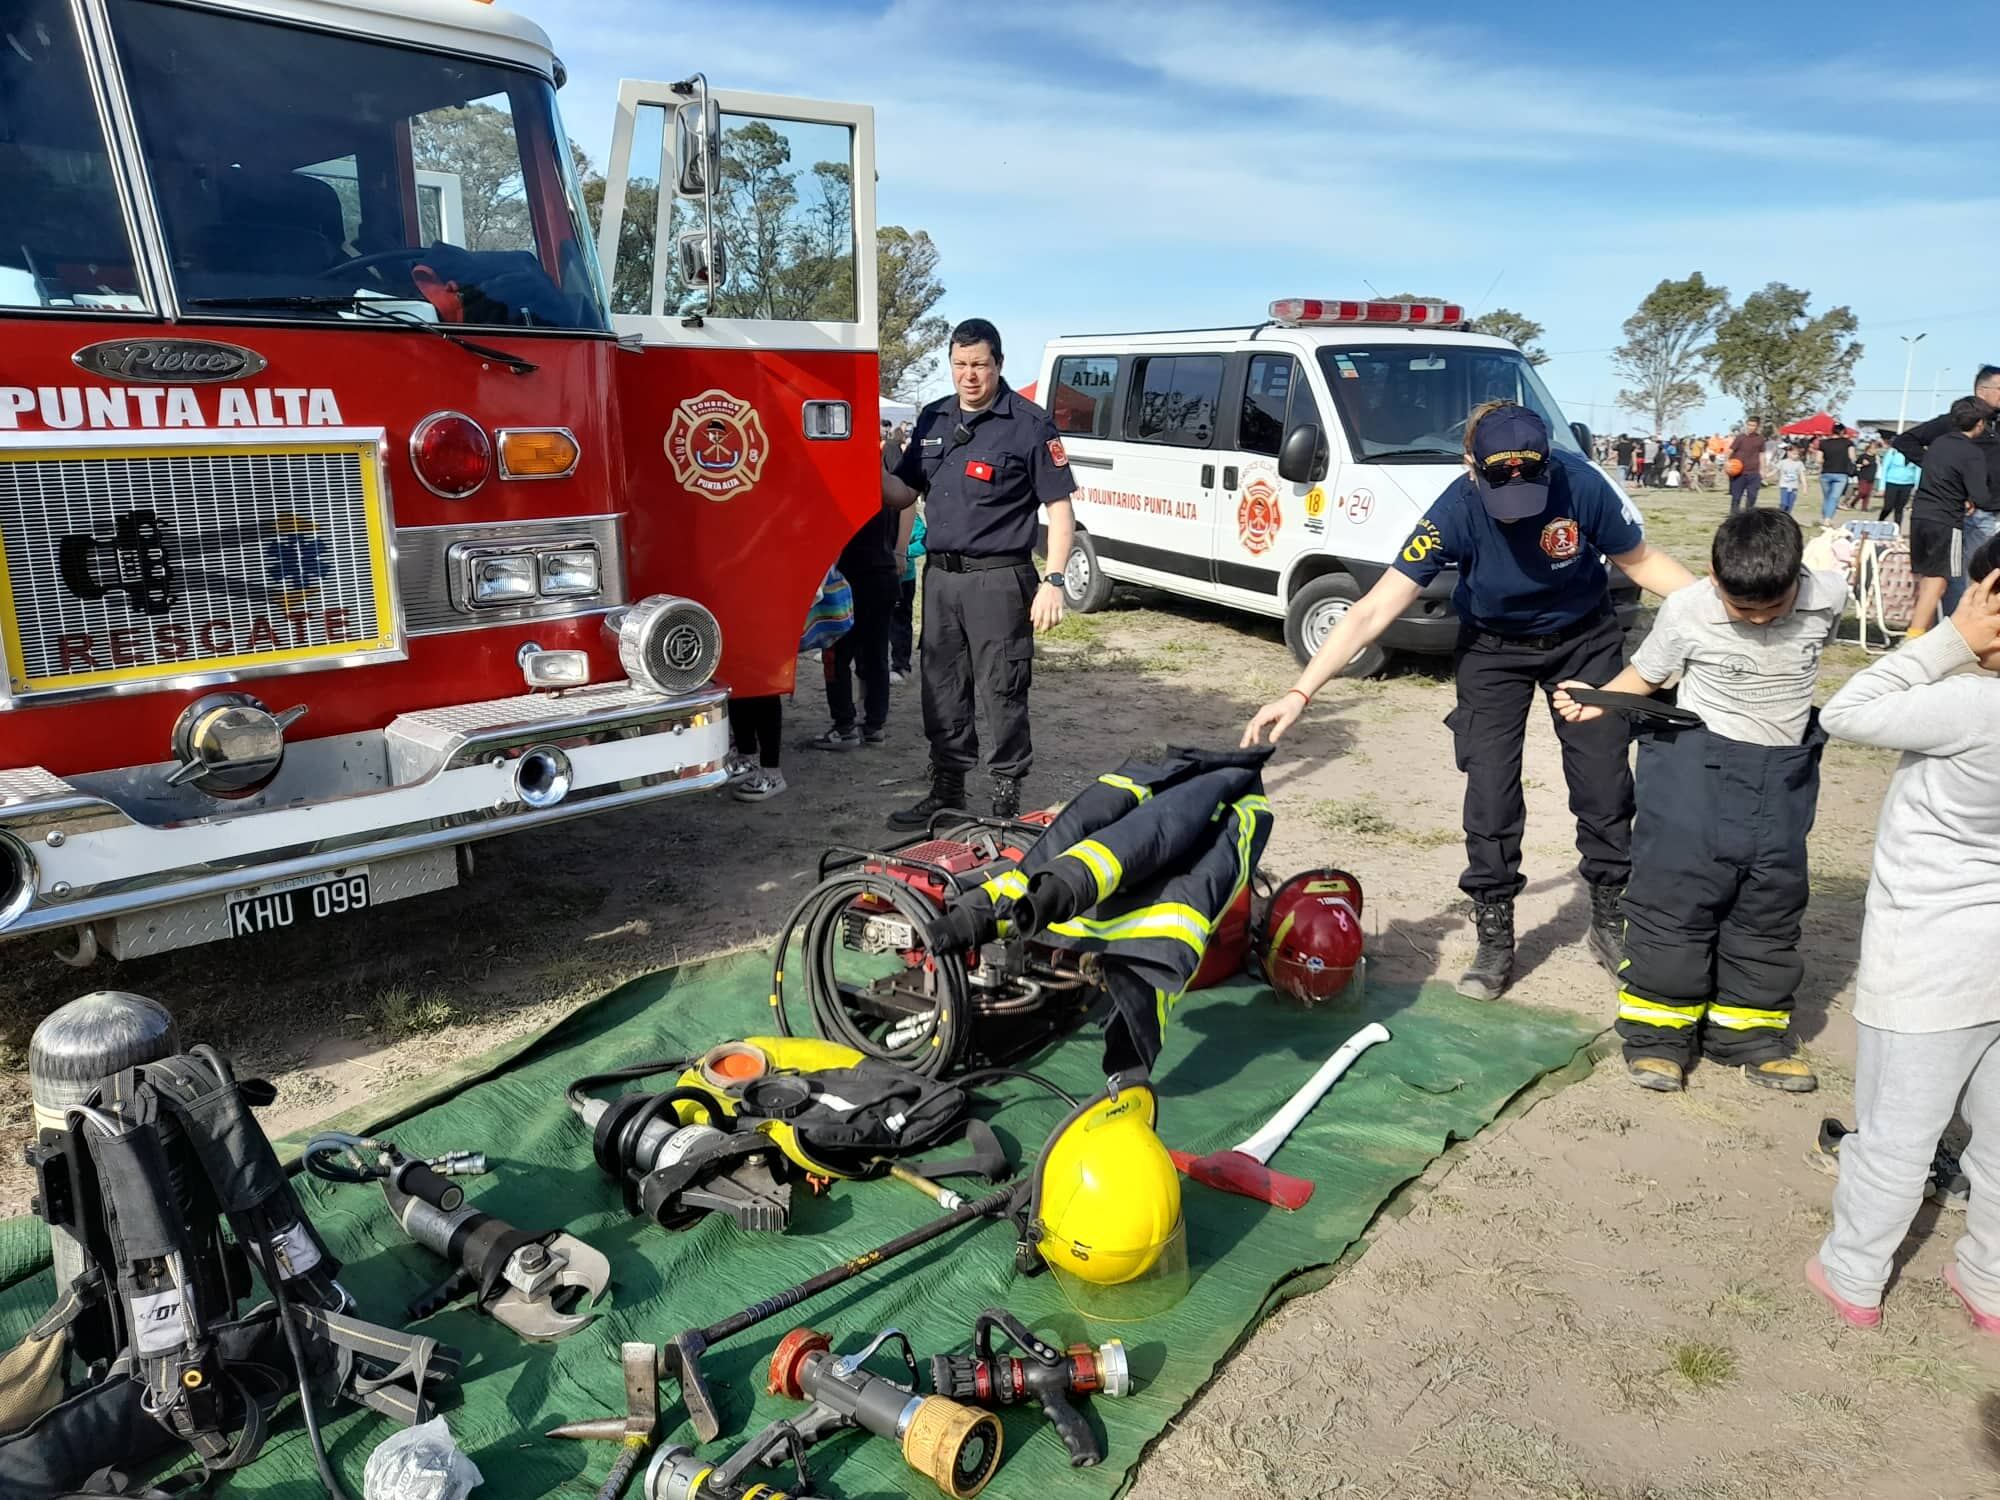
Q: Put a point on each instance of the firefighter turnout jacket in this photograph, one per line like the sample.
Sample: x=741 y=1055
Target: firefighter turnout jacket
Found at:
x=1138 y=869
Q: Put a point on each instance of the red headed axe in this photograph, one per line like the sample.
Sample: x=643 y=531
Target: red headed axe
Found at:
x=1242 y=1171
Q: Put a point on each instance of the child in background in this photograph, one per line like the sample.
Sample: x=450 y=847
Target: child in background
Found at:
x=1864 y=479
x=1927 y=993
x=1712 y=915
x=1791 y=476
x=903 y=637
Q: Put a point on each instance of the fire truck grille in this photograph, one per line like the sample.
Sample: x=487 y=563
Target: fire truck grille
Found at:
x=127 y=566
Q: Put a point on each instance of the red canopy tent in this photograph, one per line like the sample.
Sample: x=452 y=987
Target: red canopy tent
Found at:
x=1820 y=424
x=1028 y=391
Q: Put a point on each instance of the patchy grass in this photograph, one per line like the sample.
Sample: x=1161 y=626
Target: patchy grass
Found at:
x=1746 y=1302
x=400 y=1013
x=1704 y=1366
x=1362 y=820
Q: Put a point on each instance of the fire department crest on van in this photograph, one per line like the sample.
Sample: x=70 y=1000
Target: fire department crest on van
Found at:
x=1257 y=516
x=716 y=444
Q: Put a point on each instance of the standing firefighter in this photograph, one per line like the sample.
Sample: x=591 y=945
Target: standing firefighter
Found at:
x=1719 y=882
x=986 y=462
x=1528 y=527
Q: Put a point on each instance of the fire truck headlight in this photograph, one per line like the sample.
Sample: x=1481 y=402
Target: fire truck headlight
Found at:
x=569 y=575
x=506 y=579
x=666 y=643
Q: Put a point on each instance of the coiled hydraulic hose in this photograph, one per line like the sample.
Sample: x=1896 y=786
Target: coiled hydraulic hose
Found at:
x=935 y=1051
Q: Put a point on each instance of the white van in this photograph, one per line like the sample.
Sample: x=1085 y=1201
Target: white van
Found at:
x=1279 y=468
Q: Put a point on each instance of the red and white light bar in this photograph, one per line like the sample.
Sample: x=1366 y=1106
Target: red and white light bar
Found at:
x=1312 y=312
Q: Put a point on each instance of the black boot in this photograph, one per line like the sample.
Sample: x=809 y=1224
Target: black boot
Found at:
x=947 y=794
x=1607 y=927
x=1493 y=966
x=1006 y=796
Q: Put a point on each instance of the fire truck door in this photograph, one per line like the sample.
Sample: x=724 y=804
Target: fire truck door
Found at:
x=738 y=238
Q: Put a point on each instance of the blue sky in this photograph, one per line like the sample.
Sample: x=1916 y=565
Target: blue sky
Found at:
x=1101 y=167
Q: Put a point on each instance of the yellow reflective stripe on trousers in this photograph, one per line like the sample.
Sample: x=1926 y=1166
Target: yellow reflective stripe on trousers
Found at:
x=1742 y=1018
x=1646 y=1012
x=1104 y=866
x=1169 y=920
x=1127 y=784
x=1008 y=885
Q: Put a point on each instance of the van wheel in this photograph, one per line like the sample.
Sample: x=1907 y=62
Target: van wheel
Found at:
x=1315 y=609
x=1085 y=588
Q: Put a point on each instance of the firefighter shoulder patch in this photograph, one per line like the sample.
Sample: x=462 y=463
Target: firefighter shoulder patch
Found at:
x=1057 y=455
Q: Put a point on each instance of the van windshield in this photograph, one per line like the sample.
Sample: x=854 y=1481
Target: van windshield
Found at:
x=298 y=173
x=1407 y=403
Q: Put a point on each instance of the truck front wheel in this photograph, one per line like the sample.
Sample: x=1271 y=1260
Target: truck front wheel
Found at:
x=1318 y=606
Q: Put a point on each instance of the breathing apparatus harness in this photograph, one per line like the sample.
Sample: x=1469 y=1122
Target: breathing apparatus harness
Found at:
x=144 y=1176
x=747 y=1120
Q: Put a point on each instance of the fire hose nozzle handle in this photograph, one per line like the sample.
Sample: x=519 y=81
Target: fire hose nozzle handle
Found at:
x=1084 y=1449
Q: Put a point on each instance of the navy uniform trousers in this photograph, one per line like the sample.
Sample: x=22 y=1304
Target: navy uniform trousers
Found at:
x=1719 y=887
x=978 y=652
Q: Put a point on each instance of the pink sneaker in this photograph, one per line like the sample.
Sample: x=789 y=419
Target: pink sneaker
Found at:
x=1985 y=1322
x=1852 y=1314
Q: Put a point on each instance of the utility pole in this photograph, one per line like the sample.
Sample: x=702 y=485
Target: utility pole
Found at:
x=1903 y=411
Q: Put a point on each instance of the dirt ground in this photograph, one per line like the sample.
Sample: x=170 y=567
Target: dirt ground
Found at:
x=1598 y=1298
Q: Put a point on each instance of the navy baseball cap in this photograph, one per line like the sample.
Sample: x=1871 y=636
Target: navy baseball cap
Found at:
x=1510 y=463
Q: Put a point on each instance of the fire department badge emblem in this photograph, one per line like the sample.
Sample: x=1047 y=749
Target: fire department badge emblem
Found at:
x=1562 y=539
x=716 y=444
x=1258 y=516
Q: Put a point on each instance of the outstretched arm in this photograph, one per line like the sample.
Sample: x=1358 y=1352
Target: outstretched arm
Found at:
x=1358 y=629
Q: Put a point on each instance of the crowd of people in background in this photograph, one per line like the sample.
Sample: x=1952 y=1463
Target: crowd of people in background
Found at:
x=1938 y=483
x=1845 y=466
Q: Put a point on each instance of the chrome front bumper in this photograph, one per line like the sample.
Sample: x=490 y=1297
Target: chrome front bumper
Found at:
x=103 y=847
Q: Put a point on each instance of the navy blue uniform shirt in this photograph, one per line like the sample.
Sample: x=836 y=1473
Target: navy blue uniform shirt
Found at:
x=982 y=497
x=1528 y=577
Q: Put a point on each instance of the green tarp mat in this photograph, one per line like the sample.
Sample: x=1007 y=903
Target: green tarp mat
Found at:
x=1232 y=1056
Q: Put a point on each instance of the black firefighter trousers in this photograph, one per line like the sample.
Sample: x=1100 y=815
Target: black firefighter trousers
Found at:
x=1498 y=677
x=978 y=651
x=1719 y=886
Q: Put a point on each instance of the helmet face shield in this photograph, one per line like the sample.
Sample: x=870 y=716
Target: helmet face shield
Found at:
x=1152 y=1280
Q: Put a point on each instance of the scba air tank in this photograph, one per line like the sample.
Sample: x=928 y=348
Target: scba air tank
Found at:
x=75 y=1048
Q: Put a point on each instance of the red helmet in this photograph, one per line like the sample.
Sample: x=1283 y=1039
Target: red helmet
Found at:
x=1310 y=940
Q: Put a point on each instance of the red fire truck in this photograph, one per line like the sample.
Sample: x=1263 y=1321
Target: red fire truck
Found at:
x=350 y=511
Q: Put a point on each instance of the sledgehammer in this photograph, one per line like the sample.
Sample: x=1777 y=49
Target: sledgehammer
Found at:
x=1242 y=1170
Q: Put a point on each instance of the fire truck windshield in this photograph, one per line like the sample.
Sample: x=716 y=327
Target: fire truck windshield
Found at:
x=299 y=172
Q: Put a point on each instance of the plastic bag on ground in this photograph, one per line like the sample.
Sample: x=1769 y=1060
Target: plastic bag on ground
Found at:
x=421 y=1463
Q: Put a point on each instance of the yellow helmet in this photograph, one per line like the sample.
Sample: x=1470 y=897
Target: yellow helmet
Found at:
x=1107 y=1209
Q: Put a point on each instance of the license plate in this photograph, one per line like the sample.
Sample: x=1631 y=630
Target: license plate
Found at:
x=294 y=903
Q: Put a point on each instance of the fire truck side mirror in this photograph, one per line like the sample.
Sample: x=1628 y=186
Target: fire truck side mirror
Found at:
x=695 y=268
x=698 y=148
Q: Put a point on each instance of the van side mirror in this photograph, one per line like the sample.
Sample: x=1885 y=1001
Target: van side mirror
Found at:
x=1302 y=456
x=1582 y=435
x=697 y=148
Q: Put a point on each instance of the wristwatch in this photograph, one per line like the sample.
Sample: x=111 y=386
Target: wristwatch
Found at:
x=1053 y=580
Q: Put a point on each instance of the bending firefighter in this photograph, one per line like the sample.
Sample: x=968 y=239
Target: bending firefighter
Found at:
x=1528 y=527
x=1719 y=882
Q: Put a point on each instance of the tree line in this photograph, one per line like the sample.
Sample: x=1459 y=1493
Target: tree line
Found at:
x=1767 y=351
